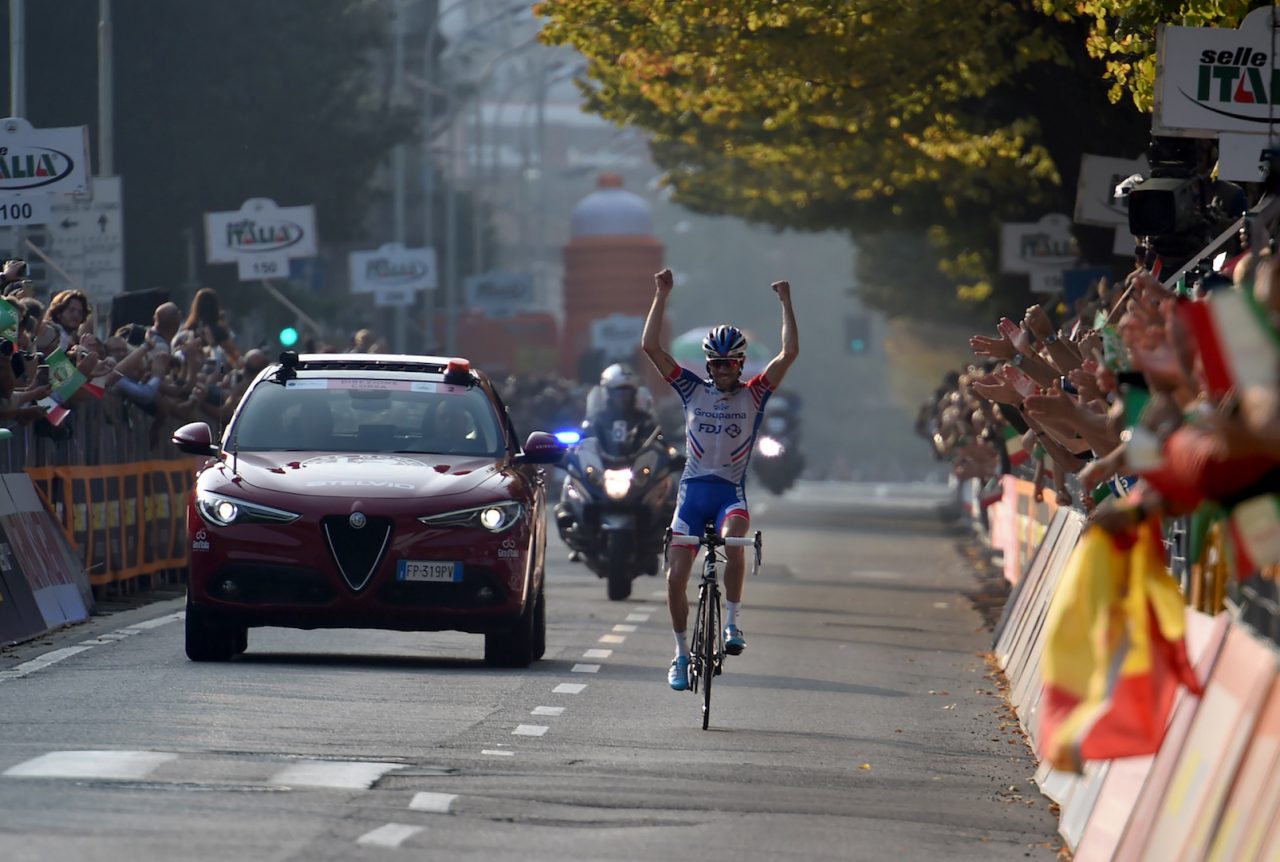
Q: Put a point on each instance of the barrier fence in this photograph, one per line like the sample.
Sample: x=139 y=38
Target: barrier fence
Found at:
x=92 y=508
x=1210 y=791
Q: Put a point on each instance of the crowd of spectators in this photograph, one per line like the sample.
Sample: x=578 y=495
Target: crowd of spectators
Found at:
x=184 y=366
x=1137 y=401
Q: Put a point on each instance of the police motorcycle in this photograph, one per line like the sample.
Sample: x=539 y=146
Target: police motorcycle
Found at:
x=619 y=491
x=778 y=461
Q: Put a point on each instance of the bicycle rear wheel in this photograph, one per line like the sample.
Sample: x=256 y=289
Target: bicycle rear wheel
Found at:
x=709 y=621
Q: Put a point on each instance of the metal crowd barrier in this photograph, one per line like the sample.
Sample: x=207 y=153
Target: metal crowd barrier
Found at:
x=118 y=498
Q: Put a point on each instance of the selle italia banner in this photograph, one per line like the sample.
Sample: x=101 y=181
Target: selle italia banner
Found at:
x=1211 y=80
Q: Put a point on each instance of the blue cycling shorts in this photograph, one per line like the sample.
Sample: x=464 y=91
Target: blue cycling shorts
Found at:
x=707 y=499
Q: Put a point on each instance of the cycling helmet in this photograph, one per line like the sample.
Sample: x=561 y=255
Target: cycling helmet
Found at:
x=725 y=342
x=618 y=376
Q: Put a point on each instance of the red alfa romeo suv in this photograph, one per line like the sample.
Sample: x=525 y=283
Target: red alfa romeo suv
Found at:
x=368 y=491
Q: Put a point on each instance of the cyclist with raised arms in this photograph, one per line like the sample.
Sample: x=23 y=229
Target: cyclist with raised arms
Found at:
x=722 y=418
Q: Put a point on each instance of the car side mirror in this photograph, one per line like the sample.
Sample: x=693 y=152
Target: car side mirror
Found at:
x=541 y=448
x=195 y=438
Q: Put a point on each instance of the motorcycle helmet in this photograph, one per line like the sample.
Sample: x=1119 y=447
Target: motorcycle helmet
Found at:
x=725 y=342
x=618 y=376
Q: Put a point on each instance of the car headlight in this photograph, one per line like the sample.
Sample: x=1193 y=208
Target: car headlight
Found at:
x=495 y=517
x=617 y=482
x=224 y=511
x=770 y=448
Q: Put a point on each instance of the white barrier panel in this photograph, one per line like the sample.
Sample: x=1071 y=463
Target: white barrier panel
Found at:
x=1217 y=739
x=1023 y=592
x=1254 y=803
x=1029 y=682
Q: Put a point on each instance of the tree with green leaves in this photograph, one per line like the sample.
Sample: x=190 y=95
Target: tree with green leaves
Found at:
x=915 y=125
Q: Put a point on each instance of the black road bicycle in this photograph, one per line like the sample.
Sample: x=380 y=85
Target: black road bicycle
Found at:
x=706 y=658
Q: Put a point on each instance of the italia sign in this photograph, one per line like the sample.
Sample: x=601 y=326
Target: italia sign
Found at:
x=260 y=237
x=393 y=273
x=1041 y=250
x=43 y=160
x=1212 y=80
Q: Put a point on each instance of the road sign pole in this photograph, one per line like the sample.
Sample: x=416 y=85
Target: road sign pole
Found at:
x=17 y=58
x=289 y=304
x=106 y=119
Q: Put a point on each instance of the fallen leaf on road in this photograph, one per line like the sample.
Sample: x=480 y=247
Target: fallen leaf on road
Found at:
x=865 y=766
x=950 y=706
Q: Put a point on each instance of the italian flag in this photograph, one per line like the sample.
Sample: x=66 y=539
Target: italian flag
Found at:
x=992 y=492
x=1013 y=446
x=1238 y=348
x=54 y=411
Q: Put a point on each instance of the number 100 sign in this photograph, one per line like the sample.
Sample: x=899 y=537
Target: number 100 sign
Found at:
x=16 y=209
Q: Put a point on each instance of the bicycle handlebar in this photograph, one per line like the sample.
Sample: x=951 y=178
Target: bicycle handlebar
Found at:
x=714 y=541
x=736 y=541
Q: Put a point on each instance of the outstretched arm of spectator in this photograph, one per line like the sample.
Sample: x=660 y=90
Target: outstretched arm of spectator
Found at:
x=1063 y=353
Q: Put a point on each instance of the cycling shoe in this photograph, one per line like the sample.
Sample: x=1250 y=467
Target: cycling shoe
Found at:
x=734 y=641
x=678 y=675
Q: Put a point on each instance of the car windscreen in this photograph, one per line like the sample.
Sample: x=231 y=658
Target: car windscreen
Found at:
x=368 y=415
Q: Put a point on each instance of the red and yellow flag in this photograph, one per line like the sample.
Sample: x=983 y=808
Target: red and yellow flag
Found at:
x=1114 y=651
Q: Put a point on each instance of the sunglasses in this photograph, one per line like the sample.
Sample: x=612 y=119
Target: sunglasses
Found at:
x=723 y=363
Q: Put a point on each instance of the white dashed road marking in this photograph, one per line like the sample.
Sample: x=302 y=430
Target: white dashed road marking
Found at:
x=612 y=639
x=597 y=653
x=391 y=835
x=122 y=765
x=585 y=668
x=530 y=730
x=548 y=710
x=569 y=688
x=496 y=753
x=355 y=774
x=620 y=627
x=55 y=656
x=647 y=610
x=637 y=618
x=436 y=803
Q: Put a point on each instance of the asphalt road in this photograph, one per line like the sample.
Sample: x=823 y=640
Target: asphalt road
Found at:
x=861 y=723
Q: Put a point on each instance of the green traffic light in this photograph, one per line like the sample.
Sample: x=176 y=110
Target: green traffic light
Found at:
x=857 y=345
x=288 y=336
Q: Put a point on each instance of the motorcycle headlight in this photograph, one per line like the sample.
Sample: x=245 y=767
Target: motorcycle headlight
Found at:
x=224 y=511
x=769 y=447
x=495 y=517
x=617 y=482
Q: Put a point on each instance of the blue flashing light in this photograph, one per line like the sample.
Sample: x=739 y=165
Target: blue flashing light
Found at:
x=568 y=438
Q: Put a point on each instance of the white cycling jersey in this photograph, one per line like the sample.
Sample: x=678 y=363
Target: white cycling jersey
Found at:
x=720 y=427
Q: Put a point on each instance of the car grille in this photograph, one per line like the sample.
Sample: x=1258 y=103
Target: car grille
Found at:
x=357 y=552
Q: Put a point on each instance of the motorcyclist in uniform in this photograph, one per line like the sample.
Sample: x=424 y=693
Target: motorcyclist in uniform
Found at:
x=617 y=405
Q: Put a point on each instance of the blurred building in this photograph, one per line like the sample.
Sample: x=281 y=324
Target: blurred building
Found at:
x=609 y=262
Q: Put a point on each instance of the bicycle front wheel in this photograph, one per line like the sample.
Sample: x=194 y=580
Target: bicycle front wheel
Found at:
x=710 y=639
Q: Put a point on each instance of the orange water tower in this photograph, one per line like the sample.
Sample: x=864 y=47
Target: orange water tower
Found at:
x=609 y=264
